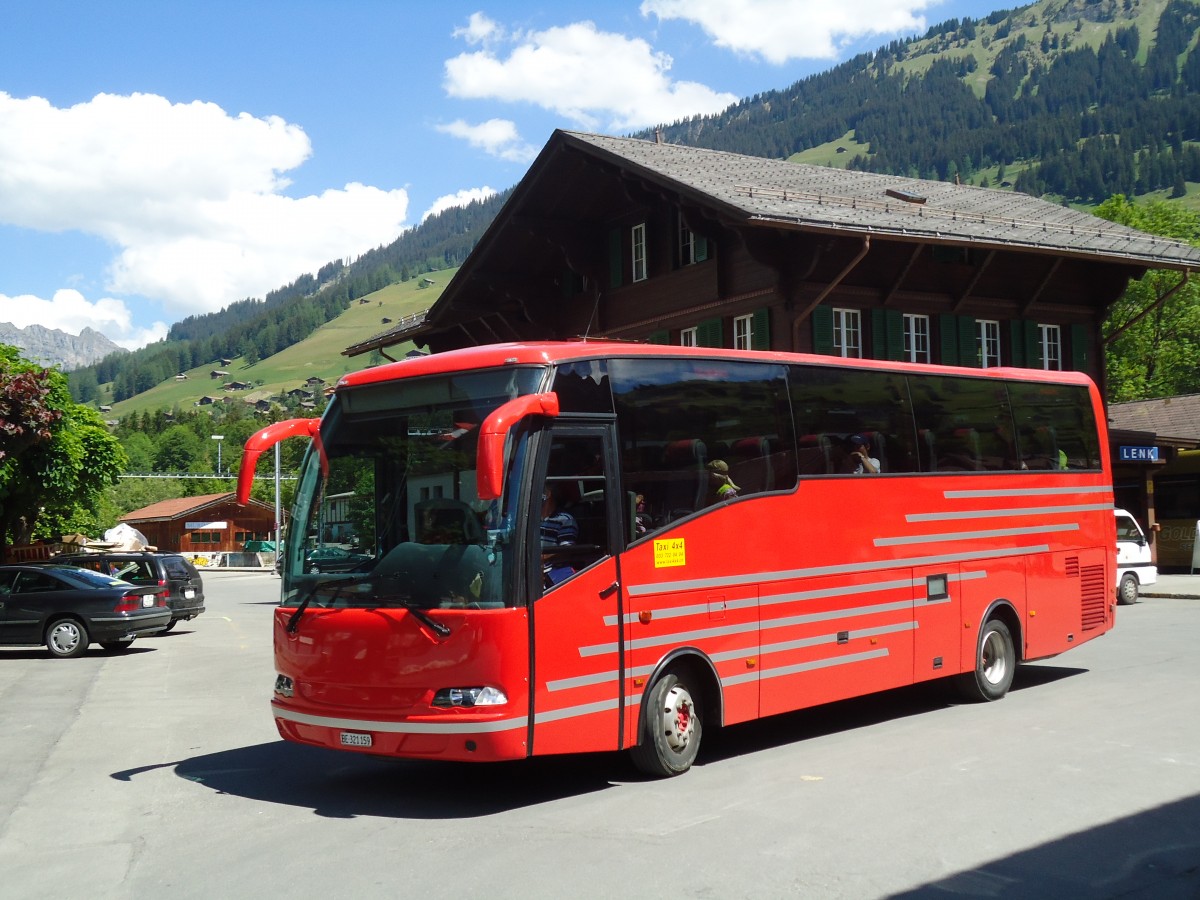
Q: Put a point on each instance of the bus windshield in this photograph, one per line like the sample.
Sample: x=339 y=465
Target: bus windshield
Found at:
x=386 y=510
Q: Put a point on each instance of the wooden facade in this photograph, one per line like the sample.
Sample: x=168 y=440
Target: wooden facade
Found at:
x=637 y=240
x=207 y=524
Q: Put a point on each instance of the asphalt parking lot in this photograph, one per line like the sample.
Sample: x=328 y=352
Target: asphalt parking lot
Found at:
x=159 y=773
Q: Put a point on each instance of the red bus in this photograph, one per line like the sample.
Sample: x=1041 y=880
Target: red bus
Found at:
x=586 y=546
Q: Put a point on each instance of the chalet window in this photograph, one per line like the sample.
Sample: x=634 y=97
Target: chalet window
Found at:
x=916 y=338
x=743 y=332
x=847 y=333
x=688 y=337
x=1051 y=347
x=989 y=343
x=639 y=251
x=692 y=247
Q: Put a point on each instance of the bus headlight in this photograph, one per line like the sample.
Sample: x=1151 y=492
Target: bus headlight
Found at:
x=469 y=696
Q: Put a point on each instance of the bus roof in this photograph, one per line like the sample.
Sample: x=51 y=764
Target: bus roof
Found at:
x=491 y=356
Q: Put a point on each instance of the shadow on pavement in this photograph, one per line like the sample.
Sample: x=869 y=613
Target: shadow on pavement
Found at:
x=345 y=785
x=1154 y=855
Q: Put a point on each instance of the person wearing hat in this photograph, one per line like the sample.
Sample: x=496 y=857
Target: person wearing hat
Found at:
x=720 y=485
x=860 y=458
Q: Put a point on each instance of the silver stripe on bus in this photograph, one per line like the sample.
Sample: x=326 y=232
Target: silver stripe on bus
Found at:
x=610 y=675
x=700 y=609
x=1001 y=513
x=488 y=727
x=692 y=637
x=806 y=666
x=571 y=712
x=973 y=535
x=663 y=587
x=1023 y=492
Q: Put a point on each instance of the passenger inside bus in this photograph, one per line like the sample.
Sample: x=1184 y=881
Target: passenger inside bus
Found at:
x=860 y=461
x=720 y=486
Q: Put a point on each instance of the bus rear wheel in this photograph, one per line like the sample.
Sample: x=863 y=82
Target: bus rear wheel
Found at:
x=995 y=664
x=671 y=729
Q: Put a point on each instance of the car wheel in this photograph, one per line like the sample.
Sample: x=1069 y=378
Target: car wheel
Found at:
x=116 y=646
x=672 y=729
x=995 y=664
x=1127 y=593
x=170 y=625
x=66 y=638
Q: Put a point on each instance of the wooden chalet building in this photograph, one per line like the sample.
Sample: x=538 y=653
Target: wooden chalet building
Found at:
x=645 y=241
x=206 y=524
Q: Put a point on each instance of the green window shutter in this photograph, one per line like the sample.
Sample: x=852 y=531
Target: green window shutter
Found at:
x=1033 y=345
x=1079 y=348
x=1026 y=347
x=662 y=336
x=968 y=337
x=615 y=259
x=709 y=333
x=822 y=326
x=887 y=334
x=700 y=248
x=948 y=335
x=760 y=330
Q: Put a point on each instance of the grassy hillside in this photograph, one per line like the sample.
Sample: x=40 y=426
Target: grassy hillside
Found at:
x=318 y=355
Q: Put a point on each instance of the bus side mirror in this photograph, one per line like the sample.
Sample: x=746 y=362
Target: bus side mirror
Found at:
x=489 y=469
x=263 y=440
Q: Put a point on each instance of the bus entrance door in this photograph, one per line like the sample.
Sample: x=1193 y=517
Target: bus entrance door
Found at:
x=577 y=650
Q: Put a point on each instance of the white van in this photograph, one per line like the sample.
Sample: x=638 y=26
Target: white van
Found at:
x=1134 y=567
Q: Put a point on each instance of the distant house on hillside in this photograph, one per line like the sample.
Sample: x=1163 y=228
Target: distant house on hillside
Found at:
x=218 y=373
x=235 y=386
x=182 y=376
x=313 y=381
x=208 y=401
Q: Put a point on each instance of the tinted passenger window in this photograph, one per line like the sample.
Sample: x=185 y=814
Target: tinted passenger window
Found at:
x=832 y=406
x=681 y=421
x=963 y=425
x=1056 y=426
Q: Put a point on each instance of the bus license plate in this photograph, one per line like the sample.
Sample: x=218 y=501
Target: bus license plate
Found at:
x=354 y=739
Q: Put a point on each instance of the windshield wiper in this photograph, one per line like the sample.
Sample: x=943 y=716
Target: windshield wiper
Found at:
x=293 y=623
x=439 y=628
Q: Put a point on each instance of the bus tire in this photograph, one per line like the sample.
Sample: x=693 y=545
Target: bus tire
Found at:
x=671 y=729
x=1127 y=593
x=995 y=664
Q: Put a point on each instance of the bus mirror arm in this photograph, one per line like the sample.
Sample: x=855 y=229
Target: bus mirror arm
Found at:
x=263 y=440
x=489 y=473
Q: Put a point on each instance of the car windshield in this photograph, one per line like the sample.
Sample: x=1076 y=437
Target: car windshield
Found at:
x=386 y=510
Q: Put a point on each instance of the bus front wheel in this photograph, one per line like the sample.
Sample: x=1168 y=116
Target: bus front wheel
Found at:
x=671 y=729
x=995 y=664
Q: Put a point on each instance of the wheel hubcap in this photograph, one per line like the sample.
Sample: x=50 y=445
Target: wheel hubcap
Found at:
x=995 y=660
x=65 y=638
x=679 y=718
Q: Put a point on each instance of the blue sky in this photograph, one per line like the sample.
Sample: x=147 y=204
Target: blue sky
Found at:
x=159 y=160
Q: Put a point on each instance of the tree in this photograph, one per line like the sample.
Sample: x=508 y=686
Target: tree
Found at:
x=56 y=456
x=1155 y=324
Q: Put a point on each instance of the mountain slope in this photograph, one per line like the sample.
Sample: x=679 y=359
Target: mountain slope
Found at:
x=53 y=347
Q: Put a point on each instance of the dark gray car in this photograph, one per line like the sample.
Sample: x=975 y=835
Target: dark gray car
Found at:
x=66 y=608
x=173 y=571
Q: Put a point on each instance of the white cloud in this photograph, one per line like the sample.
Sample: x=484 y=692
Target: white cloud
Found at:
x=496 y=137
x=460 y=198
x=189 y=195
x=589 y=76
x=69 y=311
x=782 y=30
x=479 y=30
